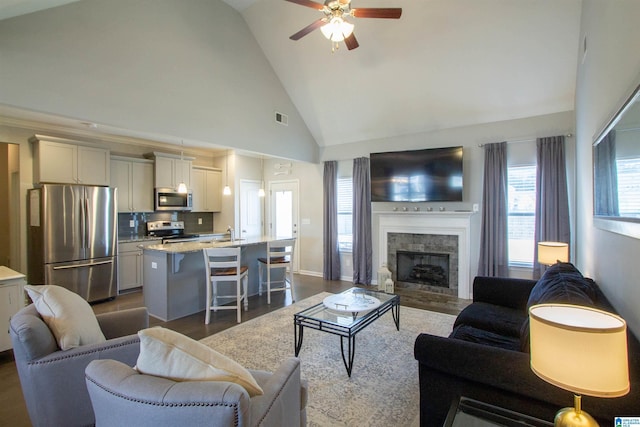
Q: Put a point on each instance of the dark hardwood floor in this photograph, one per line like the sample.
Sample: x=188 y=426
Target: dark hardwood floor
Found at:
x=13 y=411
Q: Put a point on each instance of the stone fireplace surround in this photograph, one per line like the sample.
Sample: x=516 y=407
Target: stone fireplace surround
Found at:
x=439 y=223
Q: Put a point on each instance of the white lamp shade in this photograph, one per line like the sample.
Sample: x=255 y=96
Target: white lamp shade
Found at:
x=182 y=188
x=550 y=253
x=580 y=349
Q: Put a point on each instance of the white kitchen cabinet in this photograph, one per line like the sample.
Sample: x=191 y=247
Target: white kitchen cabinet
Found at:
x=207 y=190
x=171 y=170
x=11 y=300
x=134 y=180
x=130 y=272
x=62 y=161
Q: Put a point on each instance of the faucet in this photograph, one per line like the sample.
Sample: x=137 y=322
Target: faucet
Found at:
x=230 y=231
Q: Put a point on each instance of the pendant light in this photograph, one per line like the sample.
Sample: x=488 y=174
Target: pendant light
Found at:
x=227 y=190
x=182 y=187
x=261 y=190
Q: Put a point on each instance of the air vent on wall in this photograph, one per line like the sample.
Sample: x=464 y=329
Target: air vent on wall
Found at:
x=283 y=119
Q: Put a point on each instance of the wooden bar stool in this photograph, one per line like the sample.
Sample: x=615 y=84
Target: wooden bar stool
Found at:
x=223 y=265
x=279 y=256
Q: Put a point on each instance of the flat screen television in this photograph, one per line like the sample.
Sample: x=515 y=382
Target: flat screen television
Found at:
x=427 y=175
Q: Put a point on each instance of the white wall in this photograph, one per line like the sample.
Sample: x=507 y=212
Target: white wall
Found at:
x=611 y=68
x=165 y=69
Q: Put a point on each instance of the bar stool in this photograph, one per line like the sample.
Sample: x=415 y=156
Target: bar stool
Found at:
x=223 y=265
x=279 y=256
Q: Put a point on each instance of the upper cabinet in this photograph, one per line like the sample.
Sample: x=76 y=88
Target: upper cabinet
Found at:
x=134 y=180
x=63 y=161
x=207 y=191
x=171 y=170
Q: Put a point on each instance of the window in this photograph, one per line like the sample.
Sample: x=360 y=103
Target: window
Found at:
x=521 y=212
x=629 y=185
x=345 y=210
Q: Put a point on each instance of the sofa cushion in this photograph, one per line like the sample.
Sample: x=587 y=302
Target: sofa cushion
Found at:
x=492 y=318
x=68 y=315
x=481 y=336
x=169 y=354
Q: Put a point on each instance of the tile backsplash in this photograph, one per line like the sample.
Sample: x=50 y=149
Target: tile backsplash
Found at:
x=135 y=224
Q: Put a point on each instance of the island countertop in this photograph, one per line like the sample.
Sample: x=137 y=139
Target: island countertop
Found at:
x=186 y=247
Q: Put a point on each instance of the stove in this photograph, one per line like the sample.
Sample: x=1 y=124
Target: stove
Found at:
x=170 y=231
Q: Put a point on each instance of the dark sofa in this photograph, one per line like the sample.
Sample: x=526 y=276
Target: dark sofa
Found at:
x=486 y=356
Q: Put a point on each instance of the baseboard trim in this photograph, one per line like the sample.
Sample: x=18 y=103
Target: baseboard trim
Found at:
x=310 y=273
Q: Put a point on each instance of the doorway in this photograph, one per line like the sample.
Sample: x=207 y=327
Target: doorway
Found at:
x=250 y=209
x=10 y=205
x=284 y=213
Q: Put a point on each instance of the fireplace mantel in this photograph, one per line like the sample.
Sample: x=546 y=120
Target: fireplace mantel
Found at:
x=420 y=222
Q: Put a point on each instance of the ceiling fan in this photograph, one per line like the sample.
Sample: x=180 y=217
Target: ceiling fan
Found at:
x=334 y=26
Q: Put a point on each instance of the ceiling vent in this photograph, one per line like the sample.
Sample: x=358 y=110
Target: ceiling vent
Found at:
x=283 y=119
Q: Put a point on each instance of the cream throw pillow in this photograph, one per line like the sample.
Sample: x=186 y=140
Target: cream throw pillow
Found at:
x=169 y=354
x=67 y=314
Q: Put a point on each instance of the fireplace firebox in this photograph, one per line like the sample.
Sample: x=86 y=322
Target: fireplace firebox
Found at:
x=424 y=268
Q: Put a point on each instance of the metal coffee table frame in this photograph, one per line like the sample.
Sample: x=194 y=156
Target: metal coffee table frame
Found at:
x=344 y=325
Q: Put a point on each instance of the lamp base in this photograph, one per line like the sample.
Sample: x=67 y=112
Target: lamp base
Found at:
x=570 y=417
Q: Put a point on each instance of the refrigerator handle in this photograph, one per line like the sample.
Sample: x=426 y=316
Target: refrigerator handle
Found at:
x=87 y=232
x=89 y=264
x=83 y=224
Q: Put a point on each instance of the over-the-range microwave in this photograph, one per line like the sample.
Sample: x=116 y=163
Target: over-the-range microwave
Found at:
x=168 y=199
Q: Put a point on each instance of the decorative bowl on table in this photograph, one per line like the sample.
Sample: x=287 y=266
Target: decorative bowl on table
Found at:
x=355 y=303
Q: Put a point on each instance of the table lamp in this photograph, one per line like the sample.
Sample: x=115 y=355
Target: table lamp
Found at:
x=550 y=253
x=582 y=350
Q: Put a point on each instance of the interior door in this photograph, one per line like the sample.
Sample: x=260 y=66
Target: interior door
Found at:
x=284 y=213
x=250 y=209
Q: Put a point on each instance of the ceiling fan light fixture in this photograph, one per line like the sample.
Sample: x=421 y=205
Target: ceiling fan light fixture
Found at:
x=337 y=29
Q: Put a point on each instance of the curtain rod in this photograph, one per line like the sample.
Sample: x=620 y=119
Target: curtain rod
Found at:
x=569 y=135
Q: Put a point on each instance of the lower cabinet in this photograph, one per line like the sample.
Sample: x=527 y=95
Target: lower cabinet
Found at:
x=130 y=274
x=11 y=300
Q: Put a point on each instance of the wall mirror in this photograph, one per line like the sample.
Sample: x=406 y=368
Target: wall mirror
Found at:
x=616 y=171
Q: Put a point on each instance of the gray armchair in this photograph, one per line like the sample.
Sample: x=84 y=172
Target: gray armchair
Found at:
x=120 y=394
x=52 y=380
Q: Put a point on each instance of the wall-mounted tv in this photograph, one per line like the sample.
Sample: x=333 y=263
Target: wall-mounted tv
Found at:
x=428 y=175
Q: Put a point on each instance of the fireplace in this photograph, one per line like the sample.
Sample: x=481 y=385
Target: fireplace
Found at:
x=426 y=262
x=423 y=268
x=429 y=232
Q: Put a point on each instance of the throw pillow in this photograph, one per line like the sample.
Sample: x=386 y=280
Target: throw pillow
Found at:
x=68 y=315
x=169 y=354
x=560 y=283
x=563 y=283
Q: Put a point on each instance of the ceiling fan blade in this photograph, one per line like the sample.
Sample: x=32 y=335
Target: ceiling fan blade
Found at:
x=373 y=12
x=308 y=3
x=351 y=42
x=306 y=30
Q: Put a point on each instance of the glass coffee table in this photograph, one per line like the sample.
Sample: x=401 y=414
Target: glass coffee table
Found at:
x=345 y=315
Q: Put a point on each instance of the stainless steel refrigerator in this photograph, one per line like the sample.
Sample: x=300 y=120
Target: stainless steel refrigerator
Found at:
x=72 y=239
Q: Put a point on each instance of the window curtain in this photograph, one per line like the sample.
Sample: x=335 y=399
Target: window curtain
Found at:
x=552 y=202
x=604 y=159
x=494 y=258
x=331 y=263
x=362 y=252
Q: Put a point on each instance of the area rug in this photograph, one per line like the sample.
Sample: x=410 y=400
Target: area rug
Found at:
x=383 y=389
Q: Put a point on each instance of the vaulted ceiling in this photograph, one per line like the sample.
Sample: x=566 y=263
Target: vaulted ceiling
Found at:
x=443 y=64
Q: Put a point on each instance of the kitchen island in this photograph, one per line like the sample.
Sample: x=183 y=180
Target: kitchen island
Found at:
x=174 y=275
